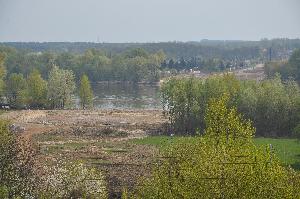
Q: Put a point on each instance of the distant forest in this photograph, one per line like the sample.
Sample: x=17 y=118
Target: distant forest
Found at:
x=140 y=62
x=204 y=48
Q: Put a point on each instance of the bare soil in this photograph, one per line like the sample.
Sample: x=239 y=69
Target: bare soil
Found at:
x=100 y=138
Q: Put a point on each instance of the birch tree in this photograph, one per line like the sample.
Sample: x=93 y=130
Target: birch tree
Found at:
x=61 y=86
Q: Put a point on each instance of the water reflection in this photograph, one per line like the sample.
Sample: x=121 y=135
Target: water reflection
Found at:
x=126 y=96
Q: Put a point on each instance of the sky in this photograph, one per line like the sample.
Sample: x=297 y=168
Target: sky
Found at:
x=147 y=20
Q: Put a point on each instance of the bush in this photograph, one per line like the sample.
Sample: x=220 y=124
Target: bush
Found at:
x=3 y=192
x=17 y=160
x=71 y=180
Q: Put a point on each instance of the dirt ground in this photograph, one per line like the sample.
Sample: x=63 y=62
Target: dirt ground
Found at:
x=100 y=138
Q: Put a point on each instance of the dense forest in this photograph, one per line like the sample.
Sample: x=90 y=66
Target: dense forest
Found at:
x=203 y=48
x=140 y=62
x=135 y=65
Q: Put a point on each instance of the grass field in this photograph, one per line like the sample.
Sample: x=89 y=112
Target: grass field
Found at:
x=288 y=150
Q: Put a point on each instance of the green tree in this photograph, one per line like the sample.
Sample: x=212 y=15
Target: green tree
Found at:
x=273 y=105
x=294 y=65
x=16 y=90
x=185 y=99
x=61 y=86
x=286 y=69
x=2 y=74
x=37 y=90
x=85 y=92
x=224 y=163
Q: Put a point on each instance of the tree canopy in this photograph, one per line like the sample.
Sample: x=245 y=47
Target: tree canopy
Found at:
x=61 y=86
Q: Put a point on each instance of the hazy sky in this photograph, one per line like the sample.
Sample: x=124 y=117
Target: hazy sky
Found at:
x=147 y=20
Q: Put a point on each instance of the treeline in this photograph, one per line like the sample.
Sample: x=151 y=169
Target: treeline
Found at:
x=172 y=49
x=136 y=65
x=19 y=92
x=137 y=62
x=228 y=49
x=206 y=65
x=272 y=105
x=289 y=69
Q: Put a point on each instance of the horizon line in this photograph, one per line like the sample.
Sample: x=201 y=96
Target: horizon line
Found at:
x=143 y=42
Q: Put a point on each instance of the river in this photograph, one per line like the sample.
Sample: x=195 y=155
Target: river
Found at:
x=125 y=96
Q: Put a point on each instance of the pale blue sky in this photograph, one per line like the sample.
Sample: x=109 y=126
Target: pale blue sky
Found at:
x=147 y=20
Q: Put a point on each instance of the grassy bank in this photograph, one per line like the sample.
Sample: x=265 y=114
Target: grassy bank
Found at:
x=288 y=150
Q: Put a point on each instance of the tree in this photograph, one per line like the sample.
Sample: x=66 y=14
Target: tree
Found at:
x=286 y=69
x=16 y=90
x=85 y=92
x=272 y=105
x=61 y=86
x=136 y=52
x=294 y=65
x=37 y=90
x=224 y=163
x=185 y=100
x=2 y=74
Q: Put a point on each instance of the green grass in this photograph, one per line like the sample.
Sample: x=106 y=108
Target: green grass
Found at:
x=158 y=141
x=287 y=150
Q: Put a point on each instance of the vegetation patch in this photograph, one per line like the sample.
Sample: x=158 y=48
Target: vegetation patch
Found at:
x=287 y=150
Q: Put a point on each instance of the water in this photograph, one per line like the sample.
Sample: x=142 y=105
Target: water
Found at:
x=126 y=96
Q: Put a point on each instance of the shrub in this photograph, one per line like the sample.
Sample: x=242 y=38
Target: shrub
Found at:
x=72 y=180
x=17 y=160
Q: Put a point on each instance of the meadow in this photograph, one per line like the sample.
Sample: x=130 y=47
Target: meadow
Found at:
x=287 y=150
